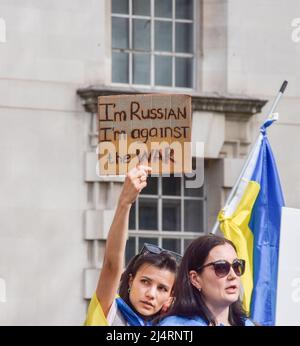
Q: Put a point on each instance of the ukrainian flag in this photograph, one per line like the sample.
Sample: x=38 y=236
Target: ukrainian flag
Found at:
x=251 y=221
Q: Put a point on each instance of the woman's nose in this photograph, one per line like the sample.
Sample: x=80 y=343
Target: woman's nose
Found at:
x=151 y=291
x=232 y=274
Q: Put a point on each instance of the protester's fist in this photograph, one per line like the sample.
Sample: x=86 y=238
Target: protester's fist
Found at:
x=135 y=181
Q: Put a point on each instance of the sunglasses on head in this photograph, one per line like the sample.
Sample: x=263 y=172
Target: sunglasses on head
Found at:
x=222 y=267
x=154 y=249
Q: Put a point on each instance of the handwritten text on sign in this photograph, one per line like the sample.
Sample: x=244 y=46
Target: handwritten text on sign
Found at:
x=150 y=129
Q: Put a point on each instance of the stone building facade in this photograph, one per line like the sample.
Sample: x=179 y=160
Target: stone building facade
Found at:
x=56 y=59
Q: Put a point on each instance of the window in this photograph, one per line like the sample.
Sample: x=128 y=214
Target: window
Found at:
x=153 y=42
x=166 y=214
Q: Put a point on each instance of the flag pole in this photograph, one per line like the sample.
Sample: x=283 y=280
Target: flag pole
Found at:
x=233 y=190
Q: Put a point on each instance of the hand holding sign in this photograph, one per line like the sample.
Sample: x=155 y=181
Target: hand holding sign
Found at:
x=135 y=181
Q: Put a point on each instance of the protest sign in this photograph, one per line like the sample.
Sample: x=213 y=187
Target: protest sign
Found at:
x=151 y=129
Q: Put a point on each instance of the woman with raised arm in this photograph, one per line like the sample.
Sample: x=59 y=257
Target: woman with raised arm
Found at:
x=146 y=285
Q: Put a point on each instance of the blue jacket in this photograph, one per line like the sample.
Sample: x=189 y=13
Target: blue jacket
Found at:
x=191 y=321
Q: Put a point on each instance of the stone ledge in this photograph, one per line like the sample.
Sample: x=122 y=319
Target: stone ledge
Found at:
x=240 y=106
x=90 y=279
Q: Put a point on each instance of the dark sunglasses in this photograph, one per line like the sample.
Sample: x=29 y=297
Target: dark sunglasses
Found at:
x=222 y=267
x=154 y=249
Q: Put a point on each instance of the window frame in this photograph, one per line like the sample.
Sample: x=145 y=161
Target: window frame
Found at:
x=159 y=233
x=152 y=52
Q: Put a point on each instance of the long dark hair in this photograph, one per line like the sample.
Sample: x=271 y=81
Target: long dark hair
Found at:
x=188 y=300
x=162 y=260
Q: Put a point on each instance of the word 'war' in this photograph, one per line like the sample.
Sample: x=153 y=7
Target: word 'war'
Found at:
x=153 y=156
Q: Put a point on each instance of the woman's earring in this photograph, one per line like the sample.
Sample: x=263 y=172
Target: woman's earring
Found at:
x=200 y=289
x=129 y=290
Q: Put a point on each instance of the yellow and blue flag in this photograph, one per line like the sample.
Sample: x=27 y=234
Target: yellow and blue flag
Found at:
x=252 y=221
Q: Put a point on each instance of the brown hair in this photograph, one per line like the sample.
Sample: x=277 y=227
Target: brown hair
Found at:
x=162 y=260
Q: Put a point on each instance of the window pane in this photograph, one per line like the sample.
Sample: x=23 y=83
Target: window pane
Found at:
x=141 y=34
x=151 y=188
x=184 y=9
x=186 y=243
x=119 y=6
x=119 y=32
x=148 y=214
x=184 y=38
x=163 y=8
x=144 y=240
x=193 y=192
x=171 y=215
x=163 y=70
x=163 y=36
x=132 y=217
x=184 y=67
x=141 y=7
x=171 y=186
x=130 y=249
x=120 y=67
x=141 y=69
x=172 y=245
x=193 y=216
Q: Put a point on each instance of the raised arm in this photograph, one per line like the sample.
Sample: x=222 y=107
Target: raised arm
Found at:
x=113 y=262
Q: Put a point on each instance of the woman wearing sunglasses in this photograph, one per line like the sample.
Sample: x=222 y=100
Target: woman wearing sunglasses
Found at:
x=208 y=286
x=146 y=285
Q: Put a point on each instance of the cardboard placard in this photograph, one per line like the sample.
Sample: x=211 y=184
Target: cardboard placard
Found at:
x=151 y=129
